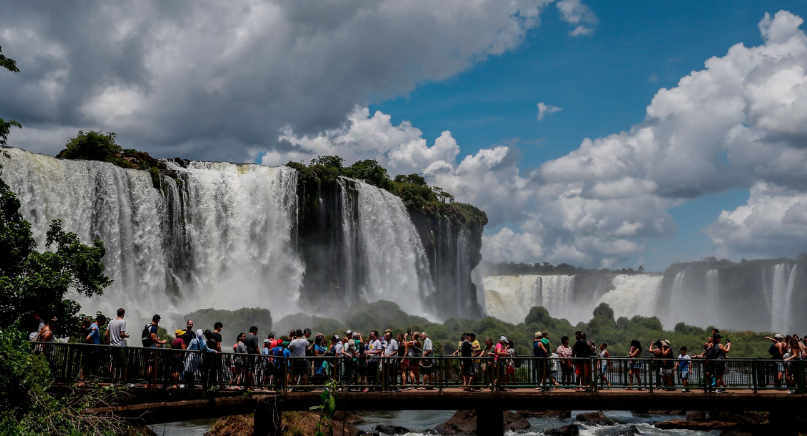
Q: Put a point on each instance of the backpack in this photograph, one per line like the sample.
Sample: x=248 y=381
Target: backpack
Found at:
x=516 y=362
x=773 y=351
x=147 y=335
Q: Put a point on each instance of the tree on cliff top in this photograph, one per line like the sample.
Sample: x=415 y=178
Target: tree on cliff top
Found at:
x=5 y=126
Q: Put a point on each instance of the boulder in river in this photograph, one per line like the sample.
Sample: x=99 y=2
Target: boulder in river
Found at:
x=630 y=430
x=697 y=415
x=391 y=429
x=566 y=430
x=594 y=418
x=464 y=422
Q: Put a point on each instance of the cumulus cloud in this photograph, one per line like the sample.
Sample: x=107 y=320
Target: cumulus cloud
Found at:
x=544 y=110
x=581 y=16
x=213 y=80
x=740 y=123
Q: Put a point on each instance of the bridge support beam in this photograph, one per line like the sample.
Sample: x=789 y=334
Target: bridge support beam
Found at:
x=268 y=419
x=490 y=422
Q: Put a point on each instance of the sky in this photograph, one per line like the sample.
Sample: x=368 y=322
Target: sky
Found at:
x=601 y=134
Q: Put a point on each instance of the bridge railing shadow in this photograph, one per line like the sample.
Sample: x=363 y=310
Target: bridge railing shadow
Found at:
x=171 y=368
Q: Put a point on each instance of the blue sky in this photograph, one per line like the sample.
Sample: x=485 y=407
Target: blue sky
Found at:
x=602 y=82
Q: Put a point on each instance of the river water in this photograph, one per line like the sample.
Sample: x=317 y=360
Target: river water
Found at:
x=419 y=421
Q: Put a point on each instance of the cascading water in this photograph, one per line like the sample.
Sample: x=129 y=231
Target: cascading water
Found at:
x=397 y=267
x=712 y=288
x=636 y=294
x=511 y=297
x=779 y=290
x=219 y=236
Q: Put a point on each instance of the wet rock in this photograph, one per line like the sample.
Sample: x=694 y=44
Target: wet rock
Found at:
x=666 y=412
x=566 y=430
x=739 y=417
x=560 y=414
x=391 y=429
x=464 y=422
x=627 y=431
x=348 y=416
x=734 y=433
x=594 y=418
x=697 y=415
x=680 y=424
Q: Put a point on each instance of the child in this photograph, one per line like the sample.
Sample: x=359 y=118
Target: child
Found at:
x=683 y=364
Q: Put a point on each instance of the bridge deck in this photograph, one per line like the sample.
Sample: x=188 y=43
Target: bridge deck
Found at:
x=158 y=406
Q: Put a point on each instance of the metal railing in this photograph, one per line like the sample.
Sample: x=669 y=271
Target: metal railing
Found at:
x=171 y=368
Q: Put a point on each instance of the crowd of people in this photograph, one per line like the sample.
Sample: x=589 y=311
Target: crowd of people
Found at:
x=355 y=360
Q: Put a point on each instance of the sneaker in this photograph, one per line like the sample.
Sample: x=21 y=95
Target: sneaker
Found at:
x=720 y=391
x=684 y=390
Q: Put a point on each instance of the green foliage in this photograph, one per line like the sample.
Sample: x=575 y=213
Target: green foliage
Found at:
x=40 y=281
x=546 y=268
x=317 y=324
x=234 y=321
x=8 y=63
x=91 y=146
x=327 y=406
x=5 y=130
x=412 y=189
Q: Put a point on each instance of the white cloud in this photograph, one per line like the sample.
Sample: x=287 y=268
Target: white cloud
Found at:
x=544 y=110
x=576 y=13
x=217 y=80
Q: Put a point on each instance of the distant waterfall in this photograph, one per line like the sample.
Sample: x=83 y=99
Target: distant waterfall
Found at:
x=220 y=235
x=397 y=267
x=712 y=288
x=511 y=297
x=779 y=289
x=678 y=299
x=635 y=294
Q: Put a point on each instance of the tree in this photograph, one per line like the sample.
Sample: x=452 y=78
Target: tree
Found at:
x=5 y=126
x=40 y=281
x=91 y=146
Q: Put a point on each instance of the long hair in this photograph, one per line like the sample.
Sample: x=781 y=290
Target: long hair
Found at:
x=636 y=344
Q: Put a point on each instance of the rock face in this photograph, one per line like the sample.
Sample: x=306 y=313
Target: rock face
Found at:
x=350 y=417
x=464 y=423
x=627 y=431
x=697 y=415
x=560 y=414
x=566 y=430
x=740 y=418
x=594 y=418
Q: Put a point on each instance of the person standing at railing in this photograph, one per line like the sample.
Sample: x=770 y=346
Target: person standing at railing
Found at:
x=540 y=351
x=413 y=351
x=777 y=352
x=373 y=353
x=90 y=355
x=635 y=365
x=217 y=374
x=475 y=352
x=193 y=359
x=426 y=364
x=466 y=350
x=582 y=352
x=151 y=340
x=720 y=361
x=252 y=344
x=683 y=365
x=796 y=353
x=564 y=351
x=298 y=348
x=47 y=334
x=605 y=364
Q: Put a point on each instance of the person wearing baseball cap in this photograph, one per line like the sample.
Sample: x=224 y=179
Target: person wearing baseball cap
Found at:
x=777 y=352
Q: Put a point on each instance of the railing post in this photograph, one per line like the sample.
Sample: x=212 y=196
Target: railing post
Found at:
x=651 y=376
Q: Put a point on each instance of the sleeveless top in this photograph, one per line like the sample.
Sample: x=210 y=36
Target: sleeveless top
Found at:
x=719 y=353
x=415 y=350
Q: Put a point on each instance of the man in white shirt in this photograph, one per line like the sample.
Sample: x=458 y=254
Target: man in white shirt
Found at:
x=374 y=352
x=426 y=366
x=392 y=345
x=115 y=335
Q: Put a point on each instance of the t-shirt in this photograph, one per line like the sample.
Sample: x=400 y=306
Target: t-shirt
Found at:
x=427 y=346
x=564 y=352
x=392 y=347
x=95 y=336
x=297 y=347
x=251 y=342
x=581 y=349
x=474 y=348
x=337 y=349
x=683 y=362
x=241 y=348
x=537 y=351
x=216 y=337
x=153 y=329
x=545 y=341
x=115 y=328
x=349 y=347
x=177 y=343
x=373 y=346
x=466 y=348
x=189 y=336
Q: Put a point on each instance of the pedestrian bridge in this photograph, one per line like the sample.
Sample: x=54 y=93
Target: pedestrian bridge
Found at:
x=165 y=385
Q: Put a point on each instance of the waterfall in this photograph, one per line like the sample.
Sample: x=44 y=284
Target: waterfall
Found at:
x=712 y=289
x=635 y=294
x=220 y=235
x=397 y=267
x=678 y=299
x=780 y=293
x=511 y=297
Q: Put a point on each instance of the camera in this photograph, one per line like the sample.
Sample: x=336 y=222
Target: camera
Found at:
x=658 y=343
x=728 y=341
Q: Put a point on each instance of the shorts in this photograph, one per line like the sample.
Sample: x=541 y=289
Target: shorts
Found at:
x=636 y=365
x=780 y=366
x=603 y=368
x=405 y=363
x=301 y=366
x=582 y=370
x=467 y=369
x=720 y=368
x=476 y=367
x=665 y=372
x=426 y=370
x=566 y=371
x=684 y=375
